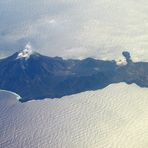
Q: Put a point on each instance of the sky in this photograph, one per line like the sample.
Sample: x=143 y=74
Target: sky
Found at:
x=75 y=28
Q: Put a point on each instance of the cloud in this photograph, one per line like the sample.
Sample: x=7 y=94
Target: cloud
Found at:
x=75 y=29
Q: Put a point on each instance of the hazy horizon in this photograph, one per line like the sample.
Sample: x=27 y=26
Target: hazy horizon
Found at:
x=75 y=29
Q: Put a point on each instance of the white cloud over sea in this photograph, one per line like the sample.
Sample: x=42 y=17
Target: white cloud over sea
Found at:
x=75 y=29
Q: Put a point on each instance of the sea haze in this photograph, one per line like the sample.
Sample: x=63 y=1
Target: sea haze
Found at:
x=109 y=118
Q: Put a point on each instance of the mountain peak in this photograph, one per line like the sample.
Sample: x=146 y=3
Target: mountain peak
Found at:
x=25 y=53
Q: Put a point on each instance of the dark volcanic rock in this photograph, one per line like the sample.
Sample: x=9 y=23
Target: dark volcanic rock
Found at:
x=39 y=77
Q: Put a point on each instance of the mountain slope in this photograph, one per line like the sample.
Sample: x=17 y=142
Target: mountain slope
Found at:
x=34 y=76
x=38 y=76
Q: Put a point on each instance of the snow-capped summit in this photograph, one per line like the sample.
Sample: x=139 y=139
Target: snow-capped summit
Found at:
x=26 y=52
x=42 y=77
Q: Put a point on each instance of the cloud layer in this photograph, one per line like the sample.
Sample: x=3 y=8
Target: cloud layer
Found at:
x=75 y=29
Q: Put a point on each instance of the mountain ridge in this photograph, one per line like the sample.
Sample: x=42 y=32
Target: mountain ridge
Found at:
x=37 y=76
